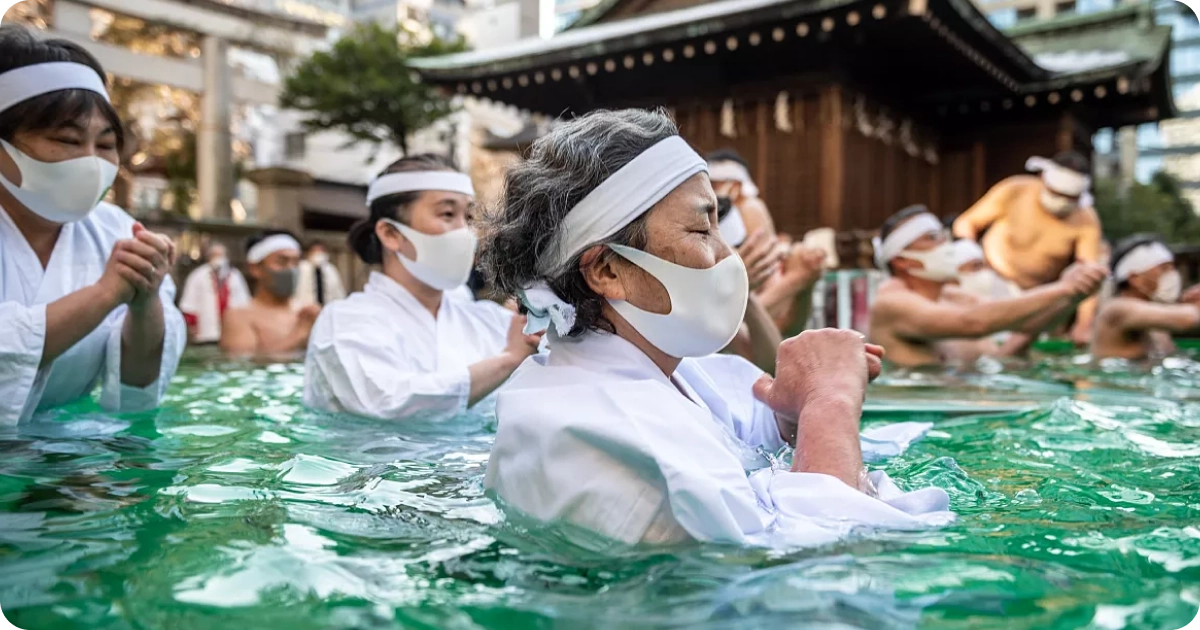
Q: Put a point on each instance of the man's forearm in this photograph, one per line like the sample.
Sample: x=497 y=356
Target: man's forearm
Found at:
x=489 y=374
x=827 y=439
x=142 y=342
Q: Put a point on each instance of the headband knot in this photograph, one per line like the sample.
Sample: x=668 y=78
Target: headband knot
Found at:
x=546 y=309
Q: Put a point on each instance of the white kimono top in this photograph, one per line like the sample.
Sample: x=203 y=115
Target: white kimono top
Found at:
x=200 y=300
x=594 y=434
x=77 y=261
x=306 y=286
x=380 y=353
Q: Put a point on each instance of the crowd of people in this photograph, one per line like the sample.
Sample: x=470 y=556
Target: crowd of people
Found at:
x=647 y=349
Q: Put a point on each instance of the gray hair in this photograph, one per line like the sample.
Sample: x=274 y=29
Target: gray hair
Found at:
x=563 y=167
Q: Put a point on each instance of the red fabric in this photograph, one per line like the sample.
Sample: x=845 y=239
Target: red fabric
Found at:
x=222 y=287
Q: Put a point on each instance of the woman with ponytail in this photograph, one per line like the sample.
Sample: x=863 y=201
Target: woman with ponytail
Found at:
x=409 y=345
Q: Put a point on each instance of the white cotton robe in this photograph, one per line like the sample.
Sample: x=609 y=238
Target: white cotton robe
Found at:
x=380 y=353
x=78 y=261
x=595 y=435
x=200 y=300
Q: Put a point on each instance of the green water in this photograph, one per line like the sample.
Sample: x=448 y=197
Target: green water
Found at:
x=233 y=507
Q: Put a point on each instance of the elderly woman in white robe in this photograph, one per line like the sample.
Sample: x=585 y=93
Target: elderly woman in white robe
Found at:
x=409 y=345
x=84 y=291
x=630 y=427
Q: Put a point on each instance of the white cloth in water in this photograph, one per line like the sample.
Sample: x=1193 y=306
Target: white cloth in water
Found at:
x=380 y=353
x=26 y=288
x=200 y=300
x=306 y=286
x=594 y=434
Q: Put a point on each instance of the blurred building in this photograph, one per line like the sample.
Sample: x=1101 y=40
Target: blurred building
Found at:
x=1136 y=152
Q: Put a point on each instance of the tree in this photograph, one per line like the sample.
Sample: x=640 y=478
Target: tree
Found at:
x=1157 y=207
x=364 y=87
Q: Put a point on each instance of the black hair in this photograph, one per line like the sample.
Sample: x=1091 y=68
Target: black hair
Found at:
x=362 y=238
x=53 y=110
x=726 y=155
x=314 y=244
x=1127 y=245
x=264 y=235
x=895 y=220
x=1073 y=160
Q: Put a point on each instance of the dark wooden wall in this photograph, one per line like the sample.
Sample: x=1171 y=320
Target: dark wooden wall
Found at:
x=826 y=173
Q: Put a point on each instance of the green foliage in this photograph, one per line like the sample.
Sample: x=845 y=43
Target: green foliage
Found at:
x=1157 y=207
x=365 y=88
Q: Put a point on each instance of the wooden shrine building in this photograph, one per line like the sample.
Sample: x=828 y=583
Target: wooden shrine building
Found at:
x=846 y=110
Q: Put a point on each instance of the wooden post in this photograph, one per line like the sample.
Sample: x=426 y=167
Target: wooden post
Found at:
x=979 y=169
x=762 y=154
x=832 y=192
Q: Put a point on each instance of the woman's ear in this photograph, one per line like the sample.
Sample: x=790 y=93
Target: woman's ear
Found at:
x=599 y=268
x=389 y=236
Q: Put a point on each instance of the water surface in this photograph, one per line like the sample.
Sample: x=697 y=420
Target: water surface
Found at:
x=235 y=507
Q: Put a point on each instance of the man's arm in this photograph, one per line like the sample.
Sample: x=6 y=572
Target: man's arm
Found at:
x=1087 y=249
x=914 y=317
x=984 y=213
x=237 y=333
x=1138 y=315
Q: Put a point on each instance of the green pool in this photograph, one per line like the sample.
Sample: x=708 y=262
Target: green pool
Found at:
x=233 y=507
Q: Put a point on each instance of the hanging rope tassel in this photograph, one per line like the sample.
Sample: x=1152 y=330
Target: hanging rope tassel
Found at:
x=728 y=123
x=783 y=113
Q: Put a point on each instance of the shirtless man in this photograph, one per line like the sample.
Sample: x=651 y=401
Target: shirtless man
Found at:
x=911 y=320
x=1033 y=228
x=269 y=325
x=1137 y=322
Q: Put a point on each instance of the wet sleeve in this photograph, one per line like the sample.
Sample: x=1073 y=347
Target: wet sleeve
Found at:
x=22 y=341
x=350 y=369
x=116 y=396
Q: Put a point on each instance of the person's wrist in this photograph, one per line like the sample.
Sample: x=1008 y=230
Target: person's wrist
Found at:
x=833 y=402
x=512 y=358
x=144 y=303
x=107 y=294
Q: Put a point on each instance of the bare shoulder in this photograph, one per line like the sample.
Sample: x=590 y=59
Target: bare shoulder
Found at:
x=1015 y=184
x=1115 y=309
x=1086 y=218
x=892 y=295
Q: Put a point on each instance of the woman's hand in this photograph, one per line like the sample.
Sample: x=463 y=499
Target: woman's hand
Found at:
x=819 y=365
x=519 y=344
x=143 y=262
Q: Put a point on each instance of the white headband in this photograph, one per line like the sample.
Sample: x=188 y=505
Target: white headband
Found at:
x=26 y=82
x=729 y=171
x=270 y=245
x=626 y=195
x=395 y=183
x=966 y=251
x=1059 y=179
x=1143 y=258
x=900 y=238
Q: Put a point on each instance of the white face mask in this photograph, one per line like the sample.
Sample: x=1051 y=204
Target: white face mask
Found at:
x=981 y=284
x=940 y=264
x=707 y=305
x=1170 y=287
x=319 y=259
x=62 y=192
x=220 y=265
x=733 y=228
x=1057 y=205
x=444 y=261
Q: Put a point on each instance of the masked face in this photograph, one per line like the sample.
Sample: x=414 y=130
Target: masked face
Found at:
x=1169 y=287
x=61 y=192
x=1057 y=204
x=283 y=282
x=318 y=258
x=686 y=292
x=443 y=261
x=938 y=263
